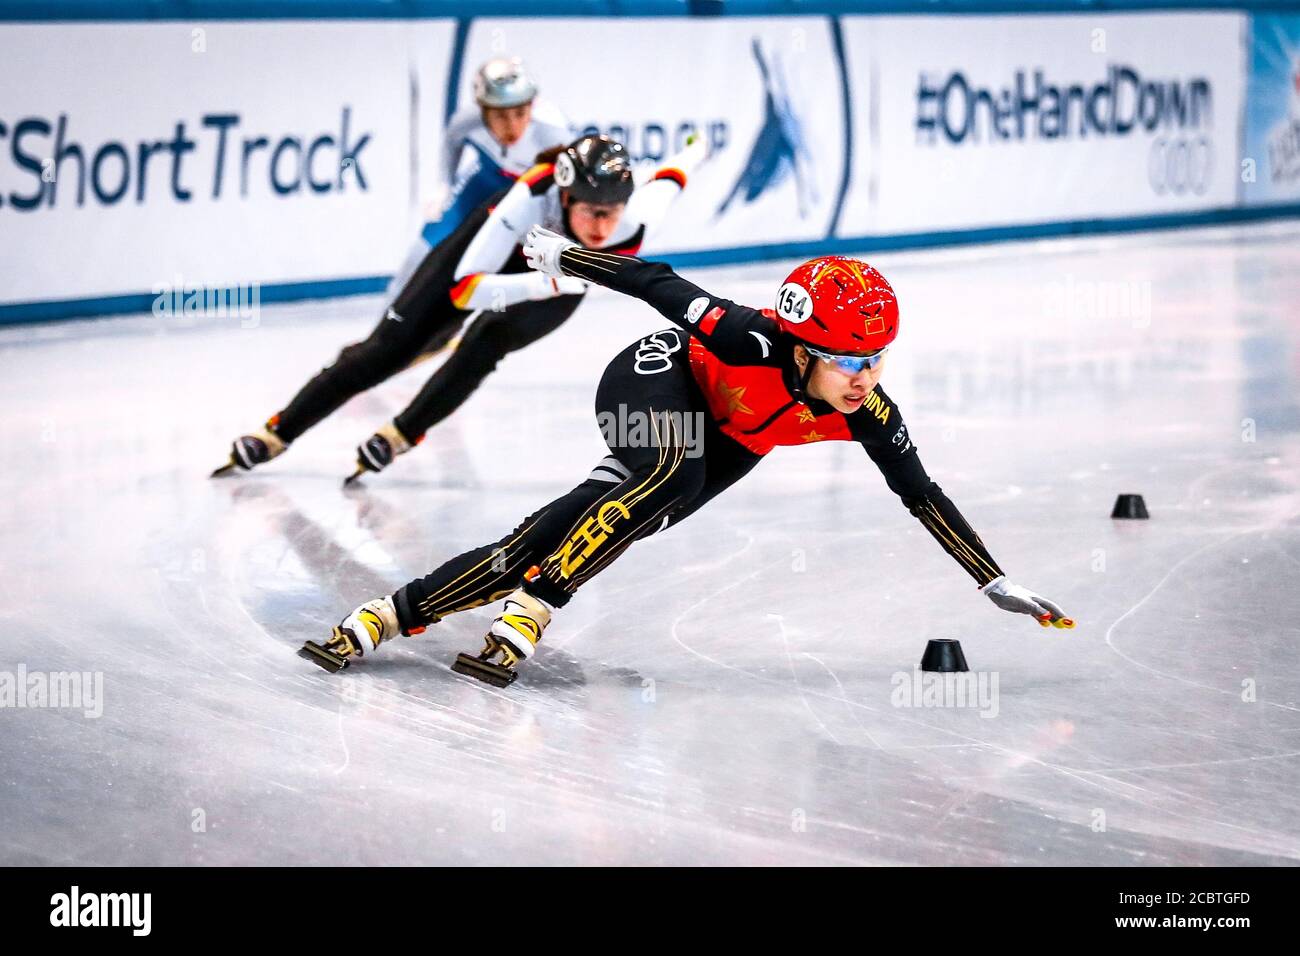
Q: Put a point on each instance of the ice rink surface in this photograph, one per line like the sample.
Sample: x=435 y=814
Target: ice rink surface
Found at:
x=731 y=691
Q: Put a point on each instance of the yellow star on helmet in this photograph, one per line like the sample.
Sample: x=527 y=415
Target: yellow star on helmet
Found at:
x=735 y=399
x=850 y=270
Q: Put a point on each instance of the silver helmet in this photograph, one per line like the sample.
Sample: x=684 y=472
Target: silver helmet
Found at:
x=504 y=82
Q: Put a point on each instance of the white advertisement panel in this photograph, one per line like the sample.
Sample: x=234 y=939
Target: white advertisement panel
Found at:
x=766 y=92
x=963 y=122
x=132 y=155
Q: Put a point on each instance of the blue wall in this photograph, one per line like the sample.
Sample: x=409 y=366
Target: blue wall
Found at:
x=47 y=10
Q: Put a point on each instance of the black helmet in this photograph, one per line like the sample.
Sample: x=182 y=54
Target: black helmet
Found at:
x=595 y=169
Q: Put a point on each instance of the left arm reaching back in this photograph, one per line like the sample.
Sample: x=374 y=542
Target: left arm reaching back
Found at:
x=652 y=199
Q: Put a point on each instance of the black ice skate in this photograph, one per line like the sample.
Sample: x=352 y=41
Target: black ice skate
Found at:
x=378 y=451
x=335 y=654
x=249 y=451
x=512 y=638
x=484 y=668
x=364 y=629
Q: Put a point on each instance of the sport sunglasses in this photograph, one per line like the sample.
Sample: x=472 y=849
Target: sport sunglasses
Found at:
x=850 y=364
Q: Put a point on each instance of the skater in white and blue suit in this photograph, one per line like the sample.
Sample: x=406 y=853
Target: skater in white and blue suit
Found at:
x=486 y=149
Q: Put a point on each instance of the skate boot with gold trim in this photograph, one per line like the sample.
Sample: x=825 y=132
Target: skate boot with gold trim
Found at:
x=378 y=451
x=363 y=630
x=253 y=449
x=512 y=638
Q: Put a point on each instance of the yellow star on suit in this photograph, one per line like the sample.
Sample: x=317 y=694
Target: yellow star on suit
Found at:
x=735 y=399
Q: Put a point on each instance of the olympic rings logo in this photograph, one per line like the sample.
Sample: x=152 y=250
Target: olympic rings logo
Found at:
x=1180 y=165
x=653 y=353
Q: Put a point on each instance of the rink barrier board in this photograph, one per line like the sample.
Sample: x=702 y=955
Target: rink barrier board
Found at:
x=140 y=302
x=128 y=302
x=88 y=308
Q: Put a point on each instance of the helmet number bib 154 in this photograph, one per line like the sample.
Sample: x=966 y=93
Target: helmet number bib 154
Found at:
x=793 y=303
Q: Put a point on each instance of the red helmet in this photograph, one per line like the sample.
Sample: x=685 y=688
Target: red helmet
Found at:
x=839 y=304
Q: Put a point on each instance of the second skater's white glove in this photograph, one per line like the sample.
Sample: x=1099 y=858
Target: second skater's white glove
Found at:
x=542 y=250
x=1021 y=600
x=548 y=287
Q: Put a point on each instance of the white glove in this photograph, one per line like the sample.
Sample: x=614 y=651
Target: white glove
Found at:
x=542 y=250
x=548 y=287
x=1021 y=600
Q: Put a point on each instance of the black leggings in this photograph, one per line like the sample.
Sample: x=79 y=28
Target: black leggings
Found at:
x=667 y=459
x=420 y=321
x=490 y=338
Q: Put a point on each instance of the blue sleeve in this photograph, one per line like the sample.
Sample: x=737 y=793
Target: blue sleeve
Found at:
x=469 y=195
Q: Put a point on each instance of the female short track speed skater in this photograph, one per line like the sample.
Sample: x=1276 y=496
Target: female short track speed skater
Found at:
x=478 y=274
x=807 y=372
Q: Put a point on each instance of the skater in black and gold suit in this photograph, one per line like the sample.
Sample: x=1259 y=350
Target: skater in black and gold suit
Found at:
x=711 y=397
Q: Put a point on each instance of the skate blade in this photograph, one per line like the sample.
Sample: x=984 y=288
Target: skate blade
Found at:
x=487 y=672
x=322 y=656
x=225 y=469
x=361 y=470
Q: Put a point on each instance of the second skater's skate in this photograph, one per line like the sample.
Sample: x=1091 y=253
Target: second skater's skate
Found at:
x=378 y=451
x=256 y=448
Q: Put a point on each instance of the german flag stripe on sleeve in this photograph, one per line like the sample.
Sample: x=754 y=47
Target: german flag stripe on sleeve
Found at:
x=673 y=173
x=463 y=290
x=538 y=179
x=631 y=246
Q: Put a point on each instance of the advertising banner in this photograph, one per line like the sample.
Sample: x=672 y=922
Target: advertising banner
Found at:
x=963 y=122
x=137 y=155
x=766 y=92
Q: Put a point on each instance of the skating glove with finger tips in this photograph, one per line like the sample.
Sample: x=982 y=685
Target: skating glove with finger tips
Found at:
x=1021 y=600
x=542 y=250
x=570 y=285
x=548 y=287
